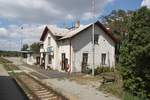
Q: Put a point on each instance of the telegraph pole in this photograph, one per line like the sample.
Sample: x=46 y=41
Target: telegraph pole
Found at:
x=21 y=41
x=93 y=32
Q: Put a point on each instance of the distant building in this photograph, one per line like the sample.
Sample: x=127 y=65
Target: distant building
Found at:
x=61 y=47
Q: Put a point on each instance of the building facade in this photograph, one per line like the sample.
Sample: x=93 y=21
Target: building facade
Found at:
x=73 y=47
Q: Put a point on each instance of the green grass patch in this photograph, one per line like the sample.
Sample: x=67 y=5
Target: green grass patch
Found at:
x=129 y=96
x=115 y=88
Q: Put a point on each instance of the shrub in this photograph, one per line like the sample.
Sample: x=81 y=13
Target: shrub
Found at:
x=100 y=70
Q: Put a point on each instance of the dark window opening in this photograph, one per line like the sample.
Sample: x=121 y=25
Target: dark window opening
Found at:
x=84 y=61
x=49 y=40
x=50 y=59
x=96 y=37
x=63 y=57
x=103 y=58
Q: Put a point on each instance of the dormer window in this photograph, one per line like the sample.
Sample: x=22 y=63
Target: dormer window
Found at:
x=49 y=40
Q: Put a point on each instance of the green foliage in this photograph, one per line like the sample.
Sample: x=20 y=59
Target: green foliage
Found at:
x=115 y=87
x=135 y=54
x=117 y=21
x=9 y=53
x=35 y=48
x=100 y=70
x=25 y=47
x=129 y=96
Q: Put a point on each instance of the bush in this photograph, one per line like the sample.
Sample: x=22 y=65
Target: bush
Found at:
x=100 y=70
x=130 y=96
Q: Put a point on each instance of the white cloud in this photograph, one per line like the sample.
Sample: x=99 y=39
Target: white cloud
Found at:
x=34 y=14
x=146 y=3
x=47 y=11
x=11 y=37
x=3 y=32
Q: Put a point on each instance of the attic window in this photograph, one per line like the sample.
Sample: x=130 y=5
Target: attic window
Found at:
x=96 y=37
x=49 y=40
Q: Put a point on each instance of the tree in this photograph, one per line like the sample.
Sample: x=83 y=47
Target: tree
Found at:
x=35 y=47
x=135 y=54
x=117 y=22
x=25 y=47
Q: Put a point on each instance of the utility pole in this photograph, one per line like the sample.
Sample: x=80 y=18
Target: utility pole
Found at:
x=21 y=42
x=93 y=32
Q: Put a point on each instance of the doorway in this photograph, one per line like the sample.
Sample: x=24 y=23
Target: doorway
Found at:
x=84 y=61
x=63 y=57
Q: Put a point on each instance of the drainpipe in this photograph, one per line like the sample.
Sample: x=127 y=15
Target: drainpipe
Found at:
x=70 y=52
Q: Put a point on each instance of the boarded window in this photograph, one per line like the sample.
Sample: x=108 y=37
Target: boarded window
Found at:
x=103 y=59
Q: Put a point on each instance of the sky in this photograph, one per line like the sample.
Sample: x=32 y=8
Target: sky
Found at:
x=33 y=15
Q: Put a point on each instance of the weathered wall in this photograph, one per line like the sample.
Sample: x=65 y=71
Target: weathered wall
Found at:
x=82 y=43
x=55 y=50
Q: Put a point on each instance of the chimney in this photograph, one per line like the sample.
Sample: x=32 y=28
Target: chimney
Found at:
x=77 y=24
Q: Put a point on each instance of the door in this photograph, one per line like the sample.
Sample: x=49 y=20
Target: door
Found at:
x=43 y=60
x=84 y=61
x=63 y=57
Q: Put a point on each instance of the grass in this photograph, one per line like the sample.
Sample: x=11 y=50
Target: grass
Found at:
x=85 y=79
x=3 y=61
x=129 y=96
x=114 y=88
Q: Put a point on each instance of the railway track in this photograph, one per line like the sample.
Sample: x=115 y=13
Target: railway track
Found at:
x=38 y=90
x=33 y=88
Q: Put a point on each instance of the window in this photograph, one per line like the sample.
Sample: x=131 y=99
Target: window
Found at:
x=85 y=58
x=96 y=36
x=49 y=40
x=63 y=57
x=103 y=59
x=84 y=62
x=50 y=59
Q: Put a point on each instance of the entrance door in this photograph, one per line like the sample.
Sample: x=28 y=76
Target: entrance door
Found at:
x=84 y=61
x=43 y=60
x=63 y=57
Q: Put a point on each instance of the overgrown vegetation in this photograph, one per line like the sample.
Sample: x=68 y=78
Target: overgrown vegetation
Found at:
x=100 y=70
x=115 y=87
x=135 y=54
x=9 y=53
x=3 y=61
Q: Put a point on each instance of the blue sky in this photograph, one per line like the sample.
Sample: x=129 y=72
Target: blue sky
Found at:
x=115 y=5
x=122 y=4
x=33 y=15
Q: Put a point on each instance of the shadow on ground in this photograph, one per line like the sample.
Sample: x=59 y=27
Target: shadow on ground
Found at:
x=10 y=90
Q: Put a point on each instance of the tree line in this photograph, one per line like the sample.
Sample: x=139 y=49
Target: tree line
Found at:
x=132 y=29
